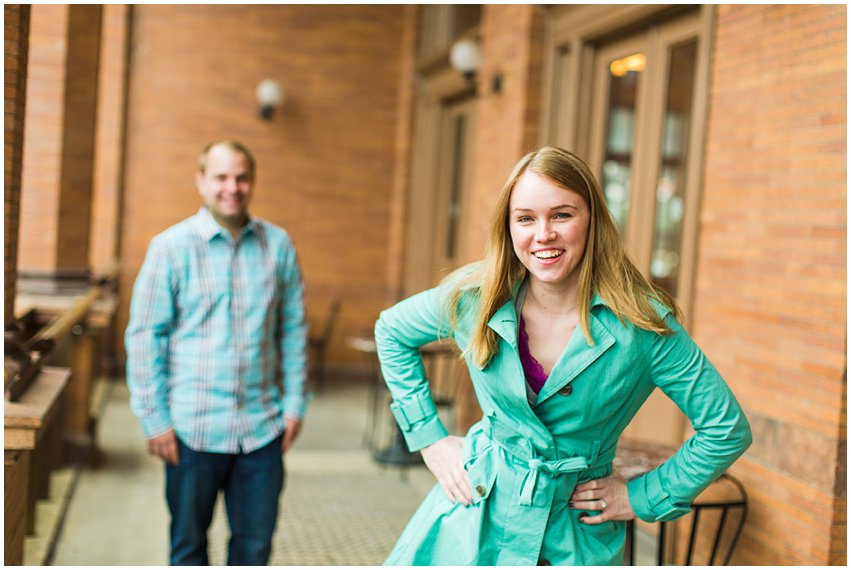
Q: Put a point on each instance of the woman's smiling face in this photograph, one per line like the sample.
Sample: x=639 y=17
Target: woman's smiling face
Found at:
x=549 y=228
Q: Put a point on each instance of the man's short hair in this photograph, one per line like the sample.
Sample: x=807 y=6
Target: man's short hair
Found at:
x=232 y=145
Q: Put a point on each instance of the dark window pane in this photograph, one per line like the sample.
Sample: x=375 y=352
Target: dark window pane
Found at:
x=624 y=75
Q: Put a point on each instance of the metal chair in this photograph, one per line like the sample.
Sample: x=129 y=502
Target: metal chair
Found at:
x=445 y=372
x=439 y=360
x=318 y=345
x=726 y=496
x=377 y=390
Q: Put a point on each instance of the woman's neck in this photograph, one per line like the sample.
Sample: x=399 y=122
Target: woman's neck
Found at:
x=561 y=299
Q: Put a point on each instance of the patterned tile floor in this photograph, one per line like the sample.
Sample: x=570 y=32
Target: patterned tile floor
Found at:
x=339 y=507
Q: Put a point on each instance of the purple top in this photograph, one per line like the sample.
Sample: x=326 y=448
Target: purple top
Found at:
x=535 y=375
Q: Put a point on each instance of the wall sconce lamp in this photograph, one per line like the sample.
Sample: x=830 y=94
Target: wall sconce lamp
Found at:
x=466 y=57
x=270 y=96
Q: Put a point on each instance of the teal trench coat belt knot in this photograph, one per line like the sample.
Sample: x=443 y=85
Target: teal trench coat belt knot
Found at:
x=551 y=468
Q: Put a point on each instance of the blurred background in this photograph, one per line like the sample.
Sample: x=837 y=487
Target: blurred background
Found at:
x=382 y=136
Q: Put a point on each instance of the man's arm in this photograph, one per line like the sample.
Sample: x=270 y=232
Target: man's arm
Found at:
x=152 y=314
x=293 y=346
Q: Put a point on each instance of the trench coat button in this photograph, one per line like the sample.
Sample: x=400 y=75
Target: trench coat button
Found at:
x=566 y=390
x=480 y=490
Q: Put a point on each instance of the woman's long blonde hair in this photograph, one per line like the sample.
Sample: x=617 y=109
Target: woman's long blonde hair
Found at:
x=605 y=268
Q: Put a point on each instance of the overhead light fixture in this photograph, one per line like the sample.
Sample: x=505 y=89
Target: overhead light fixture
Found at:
x=270 y=96
x=635 y=62
x=466 y=57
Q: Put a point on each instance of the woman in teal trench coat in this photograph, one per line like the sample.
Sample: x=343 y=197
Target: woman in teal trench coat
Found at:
x=565 y=340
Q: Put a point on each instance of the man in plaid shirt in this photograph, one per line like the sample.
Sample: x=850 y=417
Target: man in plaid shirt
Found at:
x=216 y=361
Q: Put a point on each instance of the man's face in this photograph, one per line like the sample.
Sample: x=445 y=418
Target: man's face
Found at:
x=226 y=185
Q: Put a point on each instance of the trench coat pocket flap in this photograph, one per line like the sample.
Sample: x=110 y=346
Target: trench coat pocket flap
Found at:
x=482 y=474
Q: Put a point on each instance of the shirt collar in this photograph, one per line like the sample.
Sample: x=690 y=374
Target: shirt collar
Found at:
x=208 y=227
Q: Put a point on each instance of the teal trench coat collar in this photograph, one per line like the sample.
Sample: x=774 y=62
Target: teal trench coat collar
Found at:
x=575 y=358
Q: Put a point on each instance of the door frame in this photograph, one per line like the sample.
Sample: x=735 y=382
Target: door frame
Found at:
x=574 y=35
x=439 y=93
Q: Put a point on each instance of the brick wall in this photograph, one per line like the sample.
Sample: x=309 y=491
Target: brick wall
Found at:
x=16 y=23
x=771 y=279
x=325 y=162
x=59 y=141
x=43 y=140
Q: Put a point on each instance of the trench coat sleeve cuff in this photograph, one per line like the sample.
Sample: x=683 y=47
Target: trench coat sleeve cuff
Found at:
x=650 y=501
x=417 y=418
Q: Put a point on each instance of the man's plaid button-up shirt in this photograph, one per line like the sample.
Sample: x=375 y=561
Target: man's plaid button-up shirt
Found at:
x=216 y=342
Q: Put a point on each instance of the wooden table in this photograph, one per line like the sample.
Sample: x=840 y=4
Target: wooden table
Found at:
x=33 y=426
x=16 y=467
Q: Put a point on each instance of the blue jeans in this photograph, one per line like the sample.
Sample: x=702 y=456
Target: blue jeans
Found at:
x=252 y=483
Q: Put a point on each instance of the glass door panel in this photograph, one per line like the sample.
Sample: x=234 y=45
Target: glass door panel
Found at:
x=616 y=119
x=671 y=181
x=624 y=75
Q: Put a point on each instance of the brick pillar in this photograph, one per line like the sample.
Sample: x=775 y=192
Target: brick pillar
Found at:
x=109 y=138
x=508 y=120
x=507 y=124
x=402 y=171
x=17 y=31
x=59 y=141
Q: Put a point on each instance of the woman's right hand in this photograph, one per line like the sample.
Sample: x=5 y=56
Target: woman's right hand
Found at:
x=443 y=458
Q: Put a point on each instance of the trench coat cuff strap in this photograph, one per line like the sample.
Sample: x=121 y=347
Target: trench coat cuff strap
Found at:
x=418 y=420
x=650 y=501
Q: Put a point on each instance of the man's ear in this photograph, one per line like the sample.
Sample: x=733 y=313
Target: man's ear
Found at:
x=199 y=177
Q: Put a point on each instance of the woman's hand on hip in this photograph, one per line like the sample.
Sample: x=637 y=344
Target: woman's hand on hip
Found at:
x=443 y=458
x=608 y=495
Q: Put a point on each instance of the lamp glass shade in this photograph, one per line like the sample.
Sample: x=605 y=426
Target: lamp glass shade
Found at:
x=466 y=56
x=269 y=93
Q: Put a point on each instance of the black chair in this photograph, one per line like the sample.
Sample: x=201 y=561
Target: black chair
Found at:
x=318 y=346
x=723 y=506
x=377 y=391
x=725 y=502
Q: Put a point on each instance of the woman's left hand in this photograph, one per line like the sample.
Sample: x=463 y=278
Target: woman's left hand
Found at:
x=608 y=495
